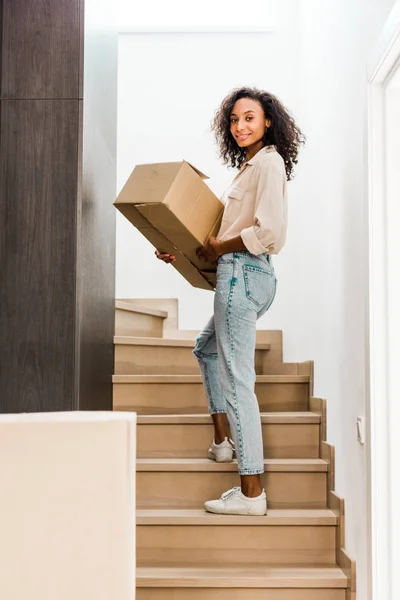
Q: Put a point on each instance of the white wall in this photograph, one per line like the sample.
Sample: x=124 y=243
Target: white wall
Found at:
x=336 y=40
x=315 y=62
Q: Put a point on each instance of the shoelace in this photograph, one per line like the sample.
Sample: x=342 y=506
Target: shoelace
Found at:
x=230 y=493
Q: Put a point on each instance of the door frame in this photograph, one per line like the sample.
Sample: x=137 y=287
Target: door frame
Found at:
x=382 y=565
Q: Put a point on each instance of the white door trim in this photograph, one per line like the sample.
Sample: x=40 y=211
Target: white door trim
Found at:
x=385 y=57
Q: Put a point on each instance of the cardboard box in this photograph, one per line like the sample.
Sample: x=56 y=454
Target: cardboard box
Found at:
x=177 y=212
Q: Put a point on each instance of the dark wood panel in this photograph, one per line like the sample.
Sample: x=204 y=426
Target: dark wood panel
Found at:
x=38 y=191
x=97 y=242
x=81 y=46
x=1 y=46
x=41 y=48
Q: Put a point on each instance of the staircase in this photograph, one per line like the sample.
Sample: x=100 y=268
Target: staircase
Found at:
x=183 y=553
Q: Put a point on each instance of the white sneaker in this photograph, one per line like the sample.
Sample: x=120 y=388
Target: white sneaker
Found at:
x=222 y=452
x=233 y=502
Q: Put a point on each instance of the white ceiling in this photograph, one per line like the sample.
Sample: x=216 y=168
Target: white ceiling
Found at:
x=209 y=15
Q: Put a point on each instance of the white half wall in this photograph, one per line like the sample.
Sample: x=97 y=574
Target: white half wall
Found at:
x=67 y=506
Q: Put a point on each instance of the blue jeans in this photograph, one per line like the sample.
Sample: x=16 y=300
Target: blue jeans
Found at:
x=245 y=290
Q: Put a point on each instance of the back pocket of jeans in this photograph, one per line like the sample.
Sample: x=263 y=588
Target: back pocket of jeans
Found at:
x=259 y=285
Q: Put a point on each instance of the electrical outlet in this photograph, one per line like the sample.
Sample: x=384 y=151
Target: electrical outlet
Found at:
x=360 y=430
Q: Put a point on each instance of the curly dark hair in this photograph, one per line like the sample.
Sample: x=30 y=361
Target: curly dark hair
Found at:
x=283 y=132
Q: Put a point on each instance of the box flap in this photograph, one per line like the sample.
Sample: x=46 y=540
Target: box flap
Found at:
x=193 y=203
x=148 y=183
x=199 y=173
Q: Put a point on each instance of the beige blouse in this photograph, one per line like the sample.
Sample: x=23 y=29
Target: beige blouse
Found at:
x=256 y=204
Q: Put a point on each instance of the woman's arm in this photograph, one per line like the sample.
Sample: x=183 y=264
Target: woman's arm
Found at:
x=268 y=231
x=213 y=249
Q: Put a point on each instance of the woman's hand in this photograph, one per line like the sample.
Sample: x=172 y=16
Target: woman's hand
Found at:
x=167 y=258
x=211 y=251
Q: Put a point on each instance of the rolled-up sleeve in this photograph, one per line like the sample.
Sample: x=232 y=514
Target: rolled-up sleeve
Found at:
x=268 y=232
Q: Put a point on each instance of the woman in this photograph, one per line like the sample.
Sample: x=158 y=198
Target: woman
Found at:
x=256 y=134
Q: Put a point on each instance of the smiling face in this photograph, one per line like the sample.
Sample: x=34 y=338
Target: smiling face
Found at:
x=248 y=125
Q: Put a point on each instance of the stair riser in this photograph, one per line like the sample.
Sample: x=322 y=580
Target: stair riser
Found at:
x=238 y=594
x=138 y=325
x=227 y=546
x=192 y=441
x=165 y=360
x=189 y=398
x=168 y=489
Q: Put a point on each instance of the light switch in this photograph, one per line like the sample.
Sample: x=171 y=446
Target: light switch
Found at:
x=360 y=430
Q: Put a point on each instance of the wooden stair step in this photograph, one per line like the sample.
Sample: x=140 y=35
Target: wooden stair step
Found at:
x=241 y=594
x=275 y=517
x=287 y=465
x=142 y=310
x=164 y=378
x=134 y=320
x=162 y=394
x=272 y=577
x=150 y=355
x=188 y=483
x=285 y=435
x=205 y=419
x=260 y=577
x=168 y=342
x=195 y=539
x=262 y=335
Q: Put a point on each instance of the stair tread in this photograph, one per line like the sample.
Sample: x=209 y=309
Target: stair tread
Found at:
x=143 y=310
x=204 y=464
x=197 y=379
x=272 y=576
x=200 y=419
x=174 y=342
x=198 y=516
